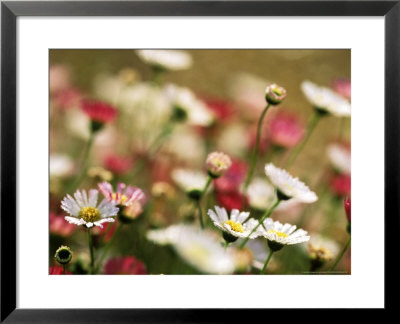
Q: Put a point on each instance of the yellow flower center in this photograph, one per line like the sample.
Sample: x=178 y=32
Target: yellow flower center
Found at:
x=89 y=214
x=116 y=196
x=235 y=226
x=280 y=234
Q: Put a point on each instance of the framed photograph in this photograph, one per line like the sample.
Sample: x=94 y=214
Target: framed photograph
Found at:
x=164 y=158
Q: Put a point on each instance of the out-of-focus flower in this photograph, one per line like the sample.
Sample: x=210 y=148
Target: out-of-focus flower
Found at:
x=57 y=270
x=326 y=100
x=221 y=109
x=98 y=111
x=61 y=166
x=118 y=164
x=260 y=194
x=58 y=226
x=340 y=157
x=190 y=181
x=243 y=258
x=341 y=185
x=347 y=208
x=233 y=178
x=124 y=196
x=199 y=248
x=264 y=143
x=100 y=174
x=63 y=255
x=233 y=139
x=288 y=186
x=60 y=78
x=218 y=164
x=230 y=199
x=124 y=266
x=77 y=123
x=237 y=225
x=68 y=98
x=342 y=87
x=285 y=130
x=166 y=59
x=187 y=107
x=275 y=94
x=279 y=235
x=162 y=189
x=322 y=249
x=85 y=211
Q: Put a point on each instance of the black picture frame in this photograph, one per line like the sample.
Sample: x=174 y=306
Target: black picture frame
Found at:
x=10 y=11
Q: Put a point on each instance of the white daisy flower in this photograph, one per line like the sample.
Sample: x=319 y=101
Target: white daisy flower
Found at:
x=200 y=248
x=260 y=194
x=322 y=248
x=340 y=158
x=288 y=186
x=279 y=235
x=83 y=209
x=190 y=181
x=187 y=107
x=326 y=99
x=166 y=59
x=61 y=165
x=236 y=225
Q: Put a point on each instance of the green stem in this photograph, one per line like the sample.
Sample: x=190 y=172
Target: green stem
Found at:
x=200 y=215
x=85 y=161
x=255 y=150
x=267 y=261
x=209 y=179
x=310 y=127
x=226 y=245
x=89 y=235
x=265 y=216
x=107 y=247
x=339 y=257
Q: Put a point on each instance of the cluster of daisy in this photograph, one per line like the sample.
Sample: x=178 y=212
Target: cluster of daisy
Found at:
x=220 y=191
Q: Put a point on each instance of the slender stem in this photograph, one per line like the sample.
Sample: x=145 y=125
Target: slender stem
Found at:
x=226 y=245
x=255 y=150
x=209 y=179
x=267 y=261
x=310 y=127
x=339 y=257
x=266 y=215
x=85 y=161
x=107 y=247
x=89 y=235
x=206 y=187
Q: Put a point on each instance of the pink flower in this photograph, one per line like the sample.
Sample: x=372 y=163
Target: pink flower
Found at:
x=124 y=266
x=58 y=226
x=230 y=200
x=56 y=270
x=233 y=178
x=347 y=208
x=341 y=185
x=218 y=164
x=98 y=111
x=68 y=98
x=342 y=87
x=221 y=109
x=118 y=164
x=125 y=195
x=60 y=78
x=285 y=130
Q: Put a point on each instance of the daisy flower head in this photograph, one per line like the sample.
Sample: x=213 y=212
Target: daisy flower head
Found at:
x=326 y=100
x=190 y=181
x=199 y=248
x=233 y=227
x=261 y=194
x=99 y=112
x=340 y=157
x=173 y=60
x=275 y=94
x=123 y=196
x=279 y=235
x=217 y=164
x=63 y=255
x=322 y=249
x=288 y=186
x=187 y=107
x=84 y=210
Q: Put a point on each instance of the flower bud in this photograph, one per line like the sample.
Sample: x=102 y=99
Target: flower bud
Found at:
x=275 y=94
x=63 y=255
x=217 y=164
x=347 y=208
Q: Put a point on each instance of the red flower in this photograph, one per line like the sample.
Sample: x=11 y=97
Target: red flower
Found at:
x=342 y=87
x=56 y=270
x=222 y=109
x=233 y=178
x=59 y=226
x=341 y=185
x=347 y=208
x=118 y=164
x=230 y=200
x=99 y=111
x=124 y=265
x=285 y=130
